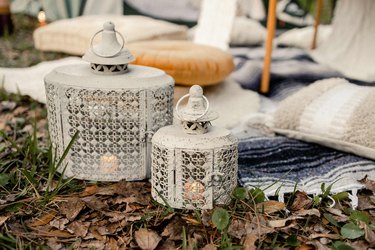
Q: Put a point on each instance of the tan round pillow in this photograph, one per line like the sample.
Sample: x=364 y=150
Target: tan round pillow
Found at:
x=186 y=62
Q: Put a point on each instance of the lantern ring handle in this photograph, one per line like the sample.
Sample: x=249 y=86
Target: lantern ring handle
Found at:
x=187 y=95
x=96 y=53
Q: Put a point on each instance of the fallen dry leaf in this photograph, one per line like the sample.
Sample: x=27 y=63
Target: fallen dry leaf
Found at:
x=364 y=203
x=115 y=216
x=258 y=226
x=206 y=217
x=147 y=239
x=43 y=220
x=320 y=228
x=297 y=215
x=249 y=243
x=94 y=244
x=78 y=228
x=270 y=207
x=191 y=220
x=3 y=125
x=168 y=245
x=110 y=228
x=90 y=190
x=370 y=184
x=320 y=246
x=53 y=233
x=59 y=223
x=310 y=212
x=209 y=247
x=20 y=110
x=119 y=200
x=289 y=228
x=305 y=247
x=111 y=244
x=360 y=244
x=277 y=223
x=369 y=234
x=322 y=235
x=71 y=207
x=3 y=219
x=335 y=211
x=193 y=242
x=95 y=203
x=301 y=201
x=174 y=229
x=132 y=218
x=53 y=244
x=94 y=231
x=126 y=189
x=237 y=228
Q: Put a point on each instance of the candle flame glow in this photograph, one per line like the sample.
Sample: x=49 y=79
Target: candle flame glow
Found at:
x=194 y=191
x=109 y=163
x=42 y=18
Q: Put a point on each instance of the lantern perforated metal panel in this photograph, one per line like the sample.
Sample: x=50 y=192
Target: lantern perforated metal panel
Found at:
x=194 y=164
x=115 y=107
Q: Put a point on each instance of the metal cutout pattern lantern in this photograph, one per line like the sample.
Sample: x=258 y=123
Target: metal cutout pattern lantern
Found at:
x=194 y=164
x=115 y=107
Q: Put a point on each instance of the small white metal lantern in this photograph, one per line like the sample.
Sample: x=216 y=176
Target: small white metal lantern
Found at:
x=114 y=106
x=194 y=164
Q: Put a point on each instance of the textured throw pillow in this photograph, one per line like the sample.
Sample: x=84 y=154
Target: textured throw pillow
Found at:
x=302 y=37
x=73 y=35
x=333 y=113
x=245 y=31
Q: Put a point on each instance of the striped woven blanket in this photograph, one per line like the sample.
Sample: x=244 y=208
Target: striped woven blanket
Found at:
x=279 y=164
x=276 y=163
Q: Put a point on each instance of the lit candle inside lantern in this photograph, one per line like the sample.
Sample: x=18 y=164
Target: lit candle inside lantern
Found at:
x=109 y=163
x=193 y=191
x=42 y=18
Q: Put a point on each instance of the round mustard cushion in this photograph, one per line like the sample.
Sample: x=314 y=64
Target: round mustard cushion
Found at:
x=186 y=62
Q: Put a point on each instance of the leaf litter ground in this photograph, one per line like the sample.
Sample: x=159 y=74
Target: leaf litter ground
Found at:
x=41 y=210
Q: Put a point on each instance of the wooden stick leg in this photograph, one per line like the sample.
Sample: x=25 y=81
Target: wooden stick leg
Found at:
x=318 y=12
x=271 y=25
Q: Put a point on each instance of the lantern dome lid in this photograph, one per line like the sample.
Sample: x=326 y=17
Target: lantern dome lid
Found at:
x=197 y=108
x=109 y=51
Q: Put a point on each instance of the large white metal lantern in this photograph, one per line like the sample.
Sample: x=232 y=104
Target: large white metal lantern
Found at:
x=194 y=164
x=115 y=107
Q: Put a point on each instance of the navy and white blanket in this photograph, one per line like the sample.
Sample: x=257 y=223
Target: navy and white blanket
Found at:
x=277 y=163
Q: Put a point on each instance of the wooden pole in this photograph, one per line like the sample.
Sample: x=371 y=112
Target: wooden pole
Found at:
x=6 y=25
x=318 y=12
x=271 y=26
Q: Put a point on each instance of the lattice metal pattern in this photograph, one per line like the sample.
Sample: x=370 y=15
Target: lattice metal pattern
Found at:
x=108 y=69
x=194 y=167
x=111 y=144
x=195 y=127
x=161 y=174
x=225 y=162
x=109 y=125
x=54 y=121
x=161 y=106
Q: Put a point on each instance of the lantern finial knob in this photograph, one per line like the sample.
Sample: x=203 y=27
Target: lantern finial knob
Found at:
x=108 y=26
x=196 y=91
x=108 y=52
x=196 y=113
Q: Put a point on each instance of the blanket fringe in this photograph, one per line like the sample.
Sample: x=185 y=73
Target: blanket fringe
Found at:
x=354 y=198
x=281 y=197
